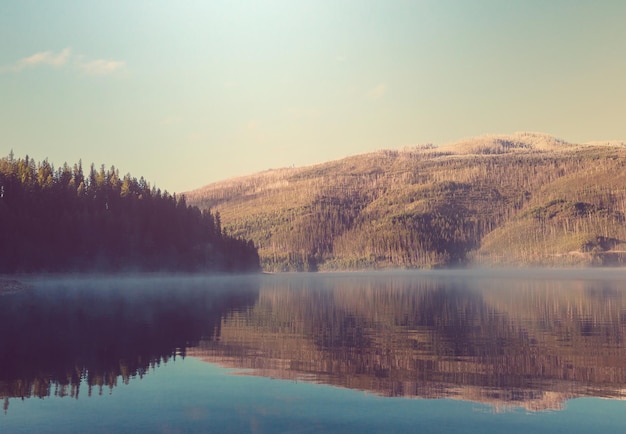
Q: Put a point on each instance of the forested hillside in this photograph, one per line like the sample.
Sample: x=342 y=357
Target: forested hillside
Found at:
x=64 y=220
x=523 y=199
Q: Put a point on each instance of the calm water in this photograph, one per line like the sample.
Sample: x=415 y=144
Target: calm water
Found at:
x=424 y=352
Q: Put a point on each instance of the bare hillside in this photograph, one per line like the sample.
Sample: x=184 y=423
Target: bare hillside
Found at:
x=521 y=199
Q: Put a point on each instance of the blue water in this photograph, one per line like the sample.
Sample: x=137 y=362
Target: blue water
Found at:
x=416 y=352
x=189 y=395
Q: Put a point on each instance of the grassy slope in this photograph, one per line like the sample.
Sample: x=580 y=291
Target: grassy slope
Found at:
x=525 y=199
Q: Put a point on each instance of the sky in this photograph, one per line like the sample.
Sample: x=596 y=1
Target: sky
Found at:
x=186 y=93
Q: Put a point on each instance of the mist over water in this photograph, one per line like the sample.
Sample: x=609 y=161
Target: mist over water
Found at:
x=507 y=339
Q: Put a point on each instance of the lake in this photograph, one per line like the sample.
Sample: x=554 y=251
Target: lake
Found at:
x=540 y=351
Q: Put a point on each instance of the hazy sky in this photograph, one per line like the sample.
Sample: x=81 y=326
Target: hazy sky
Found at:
x=190 y=92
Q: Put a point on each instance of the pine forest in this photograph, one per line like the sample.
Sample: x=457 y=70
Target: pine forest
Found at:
x=62 y=220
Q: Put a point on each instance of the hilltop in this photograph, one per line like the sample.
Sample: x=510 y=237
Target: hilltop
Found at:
x=525 y=199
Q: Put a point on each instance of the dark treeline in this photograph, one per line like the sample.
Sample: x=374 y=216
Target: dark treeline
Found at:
x=65 y=220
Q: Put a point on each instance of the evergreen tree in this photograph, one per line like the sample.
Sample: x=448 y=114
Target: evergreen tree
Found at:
x=61 y=221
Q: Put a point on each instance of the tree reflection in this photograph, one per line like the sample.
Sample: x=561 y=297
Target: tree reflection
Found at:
x=62 y=335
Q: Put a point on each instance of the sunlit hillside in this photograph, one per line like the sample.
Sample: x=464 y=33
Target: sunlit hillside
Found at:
x=521 y=199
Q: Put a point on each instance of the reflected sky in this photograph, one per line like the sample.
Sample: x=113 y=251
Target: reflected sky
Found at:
x=187 y=395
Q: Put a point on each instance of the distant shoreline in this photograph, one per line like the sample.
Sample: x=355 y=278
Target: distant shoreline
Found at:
x=11 y=286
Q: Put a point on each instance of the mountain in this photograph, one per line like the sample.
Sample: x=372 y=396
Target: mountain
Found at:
x=525 y=199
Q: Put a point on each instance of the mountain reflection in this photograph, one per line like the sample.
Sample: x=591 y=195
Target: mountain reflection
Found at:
x=60 y=335
x=525 y=342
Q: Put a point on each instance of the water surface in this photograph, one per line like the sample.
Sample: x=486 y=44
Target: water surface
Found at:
x=461 y=351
